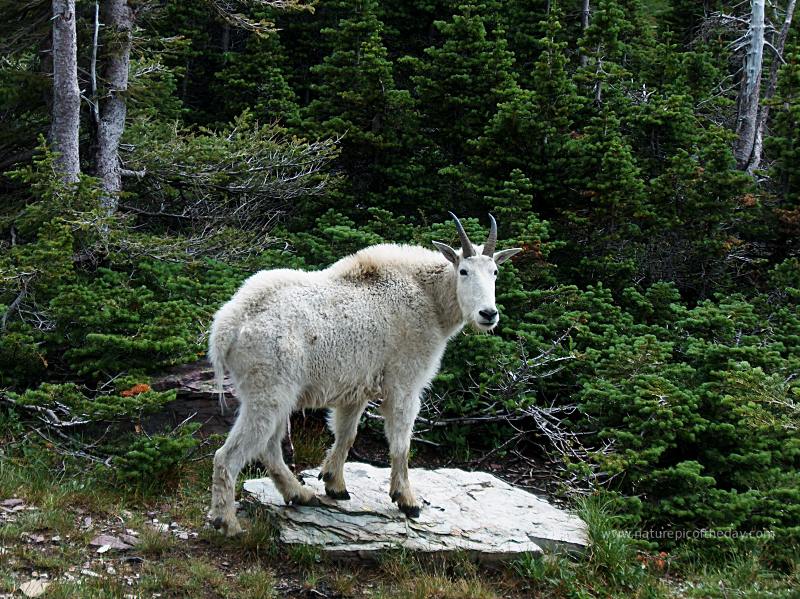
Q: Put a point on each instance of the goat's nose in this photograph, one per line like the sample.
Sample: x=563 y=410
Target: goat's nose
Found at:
x=489 y=314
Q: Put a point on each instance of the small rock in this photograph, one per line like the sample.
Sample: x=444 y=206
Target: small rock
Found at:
x=56 y=539
x=87 y=522
x=111 y=570
x=112 y=542
x=34 y=538
x=160 y=526
x=34 y=588
x=173 y=525
x=132 y=532
x=183 y=536
x=103 y=549
x=87 y=572
x=129 y=539
x=13 y=502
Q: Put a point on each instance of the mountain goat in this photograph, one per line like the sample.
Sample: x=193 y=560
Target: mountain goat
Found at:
x=373 y=326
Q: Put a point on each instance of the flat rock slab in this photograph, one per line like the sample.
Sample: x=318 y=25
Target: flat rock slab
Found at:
x=468 y=511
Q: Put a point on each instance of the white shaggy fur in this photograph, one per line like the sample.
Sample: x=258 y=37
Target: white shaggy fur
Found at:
x=373 y=326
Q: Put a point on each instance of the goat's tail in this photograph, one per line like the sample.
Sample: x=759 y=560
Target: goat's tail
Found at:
x=224 y=331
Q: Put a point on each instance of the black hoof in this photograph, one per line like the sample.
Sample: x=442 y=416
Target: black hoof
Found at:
x=296 y=500
x=341 y=495
x=217 y=522
x=411 y=511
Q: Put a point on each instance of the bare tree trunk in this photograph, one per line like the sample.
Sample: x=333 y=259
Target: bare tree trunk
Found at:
x=584 y=27
x=93 y=66
x=65 y=128
x=751 y=87
x=226 y=37
x=763 y=113
x=118 y=18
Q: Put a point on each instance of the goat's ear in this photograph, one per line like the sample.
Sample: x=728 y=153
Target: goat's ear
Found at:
x=503 y=255
x=447 y=251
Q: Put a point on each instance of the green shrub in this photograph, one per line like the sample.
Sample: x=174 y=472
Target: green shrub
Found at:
x=148 y=459
x=99 y=407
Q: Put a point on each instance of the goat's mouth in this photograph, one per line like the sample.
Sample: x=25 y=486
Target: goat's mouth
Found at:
x=486 y=325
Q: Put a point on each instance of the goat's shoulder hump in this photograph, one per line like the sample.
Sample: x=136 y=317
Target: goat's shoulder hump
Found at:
x=385 y=259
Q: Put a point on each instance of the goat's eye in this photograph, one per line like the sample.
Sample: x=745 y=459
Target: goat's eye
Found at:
x=495 y=272
x=463 y=271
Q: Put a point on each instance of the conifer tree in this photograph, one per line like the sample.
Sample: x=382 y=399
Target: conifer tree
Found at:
x=524 y=24
x=604 y=219
x=355 y=97
x=784 y=146
x=532 y=130
x=458 y=85
x=255 y=79
x=461 y=80
x=613 y=43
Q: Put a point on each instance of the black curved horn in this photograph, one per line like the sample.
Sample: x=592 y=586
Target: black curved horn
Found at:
x=491 y=240
x=466 y=245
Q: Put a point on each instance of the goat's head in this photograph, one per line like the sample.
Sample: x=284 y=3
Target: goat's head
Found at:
x=476 y=271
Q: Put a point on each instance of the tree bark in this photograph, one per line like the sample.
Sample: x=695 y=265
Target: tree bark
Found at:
x=749 y=97
x=65 y=127
x=226 y=37
x=119 y=19
x=584 y=27
x=763 y=113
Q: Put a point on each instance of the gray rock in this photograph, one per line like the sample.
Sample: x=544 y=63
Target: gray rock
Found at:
x=34 y=588
x=106 y=542
x=129 y=539
x=469 y=511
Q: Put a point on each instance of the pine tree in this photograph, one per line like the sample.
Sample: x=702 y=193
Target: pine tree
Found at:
x=355 y=97
x=524 y=22
x=784 y=146
x=532 y=130
x=196 y=58
x=604 y=219
x=255 y=79
x=615 y=43
x=459 y=84
x=461 y=80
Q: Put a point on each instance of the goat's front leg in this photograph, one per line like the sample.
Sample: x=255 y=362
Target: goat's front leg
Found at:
x=343 y=422
x=399 y=414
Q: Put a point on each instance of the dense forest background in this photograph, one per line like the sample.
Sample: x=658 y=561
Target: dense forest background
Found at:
x=643 y=152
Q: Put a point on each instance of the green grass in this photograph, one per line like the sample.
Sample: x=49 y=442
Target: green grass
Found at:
x=256 y=583
x=92 y=588
x=450 y=576
x=310 y=444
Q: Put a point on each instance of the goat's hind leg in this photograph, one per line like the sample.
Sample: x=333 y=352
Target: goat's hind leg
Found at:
x=286 y=482
x=239 y=448
x=343 y=421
